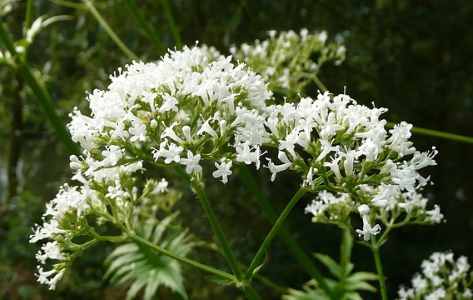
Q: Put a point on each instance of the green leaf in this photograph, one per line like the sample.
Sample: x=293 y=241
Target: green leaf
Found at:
x=345 y=286
x=310 y=292
x=142 y=268
x=331 y=265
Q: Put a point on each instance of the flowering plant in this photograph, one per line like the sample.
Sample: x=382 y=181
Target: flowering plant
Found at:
x=196 y=114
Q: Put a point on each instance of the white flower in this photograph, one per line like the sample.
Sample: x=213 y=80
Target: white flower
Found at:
x=206 y=128
x=386 y=196
x=399 y=140
x=170 y=154
x=50 y=277
x=368 y=231
x=161 y=187
x=248 y=155
x=169 y=104
x=435 y=215
x=50 y=250
x=369 y=149
x=192 y=163
x=223 y=170
x=275 y=169
x=169 y=133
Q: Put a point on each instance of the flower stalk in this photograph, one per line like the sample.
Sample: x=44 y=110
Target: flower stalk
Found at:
x=257 y=259
x=379 y=269
x=206 y=268
x=198 y=188
x=292 y=245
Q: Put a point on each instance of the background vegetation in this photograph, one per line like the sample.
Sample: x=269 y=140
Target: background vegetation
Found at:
x=413 y=57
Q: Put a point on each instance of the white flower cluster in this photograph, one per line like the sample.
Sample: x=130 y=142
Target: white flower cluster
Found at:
x=107 y=192
x=195 y=105
x=442 y=278
x=70 y=203
x=288 y=60
x=189 y=106
x=192 y=104
x=344 y=150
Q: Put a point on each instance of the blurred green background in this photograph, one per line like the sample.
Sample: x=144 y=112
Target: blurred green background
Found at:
x=411 y=56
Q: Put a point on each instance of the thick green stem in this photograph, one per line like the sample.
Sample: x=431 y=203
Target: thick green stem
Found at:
x=190 y=262
x=257 y=259
x=346 y=247
x=294 y=248
x=28 y=15
x=109 y=30
x=379 y=269
x=198 y=188
x=216 y=228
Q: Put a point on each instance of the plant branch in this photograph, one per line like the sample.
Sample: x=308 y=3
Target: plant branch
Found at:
x=346 y=247
x=294 y=248
x=90 y=6
x=379 y=269
x=190 y=262
x=198 y=189
x=257 y=259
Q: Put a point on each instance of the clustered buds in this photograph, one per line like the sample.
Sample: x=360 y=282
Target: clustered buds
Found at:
x=288 y=60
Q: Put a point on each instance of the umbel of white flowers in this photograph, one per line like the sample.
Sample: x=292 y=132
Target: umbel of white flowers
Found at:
x=66 y=217
x=352 y=162
x=191 y=105
x=442 y=277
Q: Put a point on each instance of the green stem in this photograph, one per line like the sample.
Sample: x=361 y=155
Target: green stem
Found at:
x=216 y=228
x=28 y=15
x=198 y=188
x=379 y=269
x=109 y=30
x=44 y=99
x=346 y=248
x=319 y=83
x=257 y=259
x=190 y=262
x=294 y=248
x=270 y=284
x=440 y=134
x=172 y=23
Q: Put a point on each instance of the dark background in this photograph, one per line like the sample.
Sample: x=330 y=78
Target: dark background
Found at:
x=411 y=56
